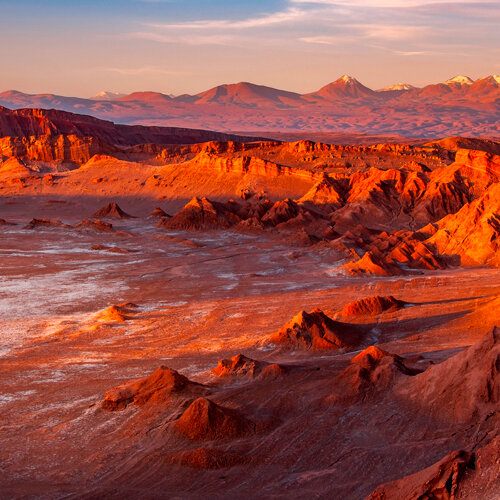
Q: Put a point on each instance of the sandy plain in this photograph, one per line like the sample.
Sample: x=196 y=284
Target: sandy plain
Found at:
x=202 y=297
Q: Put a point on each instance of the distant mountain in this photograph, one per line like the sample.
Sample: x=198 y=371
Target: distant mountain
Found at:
x=488 y=86
x=146 y=97
x=458 y=106
x=346 y=87
x=16 y=99
x=247 y=94
x=460 y=79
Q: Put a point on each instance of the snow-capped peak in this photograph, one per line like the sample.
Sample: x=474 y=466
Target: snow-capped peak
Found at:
x=107 y=96
x=462 y=80
x=398 y=86
x=347 y=79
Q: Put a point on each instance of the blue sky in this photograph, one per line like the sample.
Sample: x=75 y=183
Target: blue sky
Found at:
x=173 y=46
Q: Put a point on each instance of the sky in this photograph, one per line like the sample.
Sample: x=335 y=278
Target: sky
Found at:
x=80 y=48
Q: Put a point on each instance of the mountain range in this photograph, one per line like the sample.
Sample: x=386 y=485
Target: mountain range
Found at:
x=458 y=106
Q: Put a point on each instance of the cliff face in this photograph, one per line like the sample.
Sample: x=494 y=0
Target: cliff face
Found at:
x=251 y=165
x=55 y=148
x=461 y=202
x=42 y=122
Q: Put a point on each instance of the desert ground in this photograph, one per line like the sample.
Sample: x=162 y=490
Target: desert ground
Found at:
x=199 y=298
x=248 y=319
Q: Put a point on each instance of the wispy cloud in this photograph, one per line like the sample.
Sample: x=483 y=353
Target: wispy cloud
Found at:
x=383 y=4
x=412 y=53
x=391 y=32
x=144 y=70
x=281 y=17
x=185 y=39
x=357 y=32
x=331 y=22
x=323 y=40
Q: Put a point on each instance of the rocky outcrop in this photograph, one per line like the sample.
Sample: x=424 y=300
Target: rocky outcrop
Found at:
x=370 y=372
x=250 y=165
x=315 y=330
x=372 y=263
x=113 y=211
x=470 y=237
x=473 y=233
x=159 y=387
x=205 y=420
x=117 y=313
x=281 y=211
x=51 y=122
x=326 y=192
x=46 y=223
x=159 y=213
x=241 y=366
x=463 y=388
x=98 y=226
x=394 y=199
x=200 y=214
x=58 y=148
x=466 y=143
x=14 y=167
x=371 y=306
x=442 y=480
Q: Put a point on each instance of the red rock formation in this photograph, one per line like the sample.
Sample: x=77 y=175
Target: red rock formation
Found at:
x=281 y=211
x=239 y=365
x=315 y=330
x=372 y=305
x=14 y=167
x=36 y=223
x=250 y=165
x=52 y=122
x=95 y=225
x=371 y=371
x=111 y=210
x=457 y=143
x=372 y=262
x=159 y=387
x=397 y=253
x=469 y=237
x=325 y=192
x=58 y=148
x=200 y=213
x=159 y=213
x=374 y=352
x=442 y=480
x=473 y=233
x=205 y=420
x=462 y=388
x=117 y=312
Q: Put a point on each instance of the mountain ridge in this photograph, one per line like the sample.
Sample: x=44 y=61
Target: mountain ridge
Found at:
x=458 y=106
